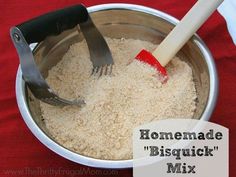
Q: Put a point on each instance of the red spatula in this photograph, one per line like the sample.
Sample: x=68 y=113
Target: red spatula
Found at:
x=175 y=40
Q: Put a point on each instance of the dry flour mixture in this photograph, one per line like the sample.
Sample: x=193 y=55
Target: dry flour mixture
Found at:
x=115 y=104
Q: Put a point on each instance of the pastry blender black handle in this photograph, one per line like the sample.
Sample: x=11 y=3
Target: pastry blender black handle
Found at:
x=53 y=23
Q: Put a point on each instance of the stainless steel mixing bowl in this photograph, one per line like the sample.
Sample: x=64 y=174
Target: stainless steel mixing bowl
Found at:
x=116 y=21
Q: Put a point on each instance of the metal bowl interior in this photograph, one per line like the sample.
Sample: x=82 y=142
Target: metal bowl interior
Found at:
x=116 y=21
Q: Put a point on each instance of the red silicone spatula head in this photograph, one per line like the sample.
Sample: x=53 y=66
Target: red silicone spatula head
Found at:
x=146 y=57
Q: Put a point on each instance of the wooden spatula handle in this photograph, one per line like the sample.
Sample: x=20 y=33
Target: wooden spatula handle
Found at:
x=190 y=23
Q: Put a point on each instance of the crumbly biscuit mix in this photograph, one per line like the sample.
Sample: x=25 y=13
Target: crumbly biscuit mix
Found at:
x=115 y=104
